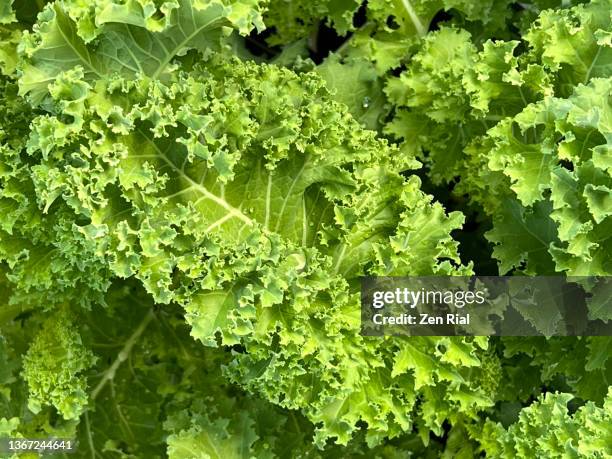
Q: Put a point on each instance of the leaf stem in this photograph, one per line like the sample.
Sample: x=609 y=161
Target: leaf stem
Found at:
x=123 y=354
x=416 y=21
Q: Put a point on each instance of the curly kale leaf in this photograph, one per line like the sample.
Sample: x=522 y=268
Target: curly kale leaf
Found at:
x=546 y=429
x=521 y=132
x=245 y=194
x=129 y=39
x=53 y=368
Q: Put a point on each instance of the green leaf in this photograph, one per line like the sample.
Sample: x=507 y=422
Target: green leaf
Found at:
x=546 y=429
x=291 y=21
x=356 y=84
x=53 y=368
x=126 y=41
x=7 y=15
x=245 y=194
x=522 y=237
x=600 y=302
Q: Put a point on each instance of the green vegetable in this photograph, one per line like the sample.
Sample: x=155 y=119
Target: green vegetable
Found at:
x=184 y=223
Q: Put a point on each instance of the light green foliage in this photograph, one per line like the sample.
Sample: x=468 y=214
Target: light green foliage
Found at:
x=54 y=366
x=183 y=229
x=7 y=14
x=503 y=122
x=356 y=84
x=395 y=27
x=546 y=429
x=448 y=107
x=528 y=151
x=293 y=20
x=127 y=42
x=246 y=194
x=242 y=192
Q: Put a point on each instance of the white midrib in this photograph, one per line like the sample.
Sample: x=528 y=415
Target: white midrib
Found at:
x=418 y=25
x=304 y=222
x=213 y=197
x=343 y=251
x=288 y=195
x=85 y=61
x=123 y=354
x=340 y=258
x=590 y=69
x=268 y=198
x=232 y=211
x=200 y=188
x=90 y=442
